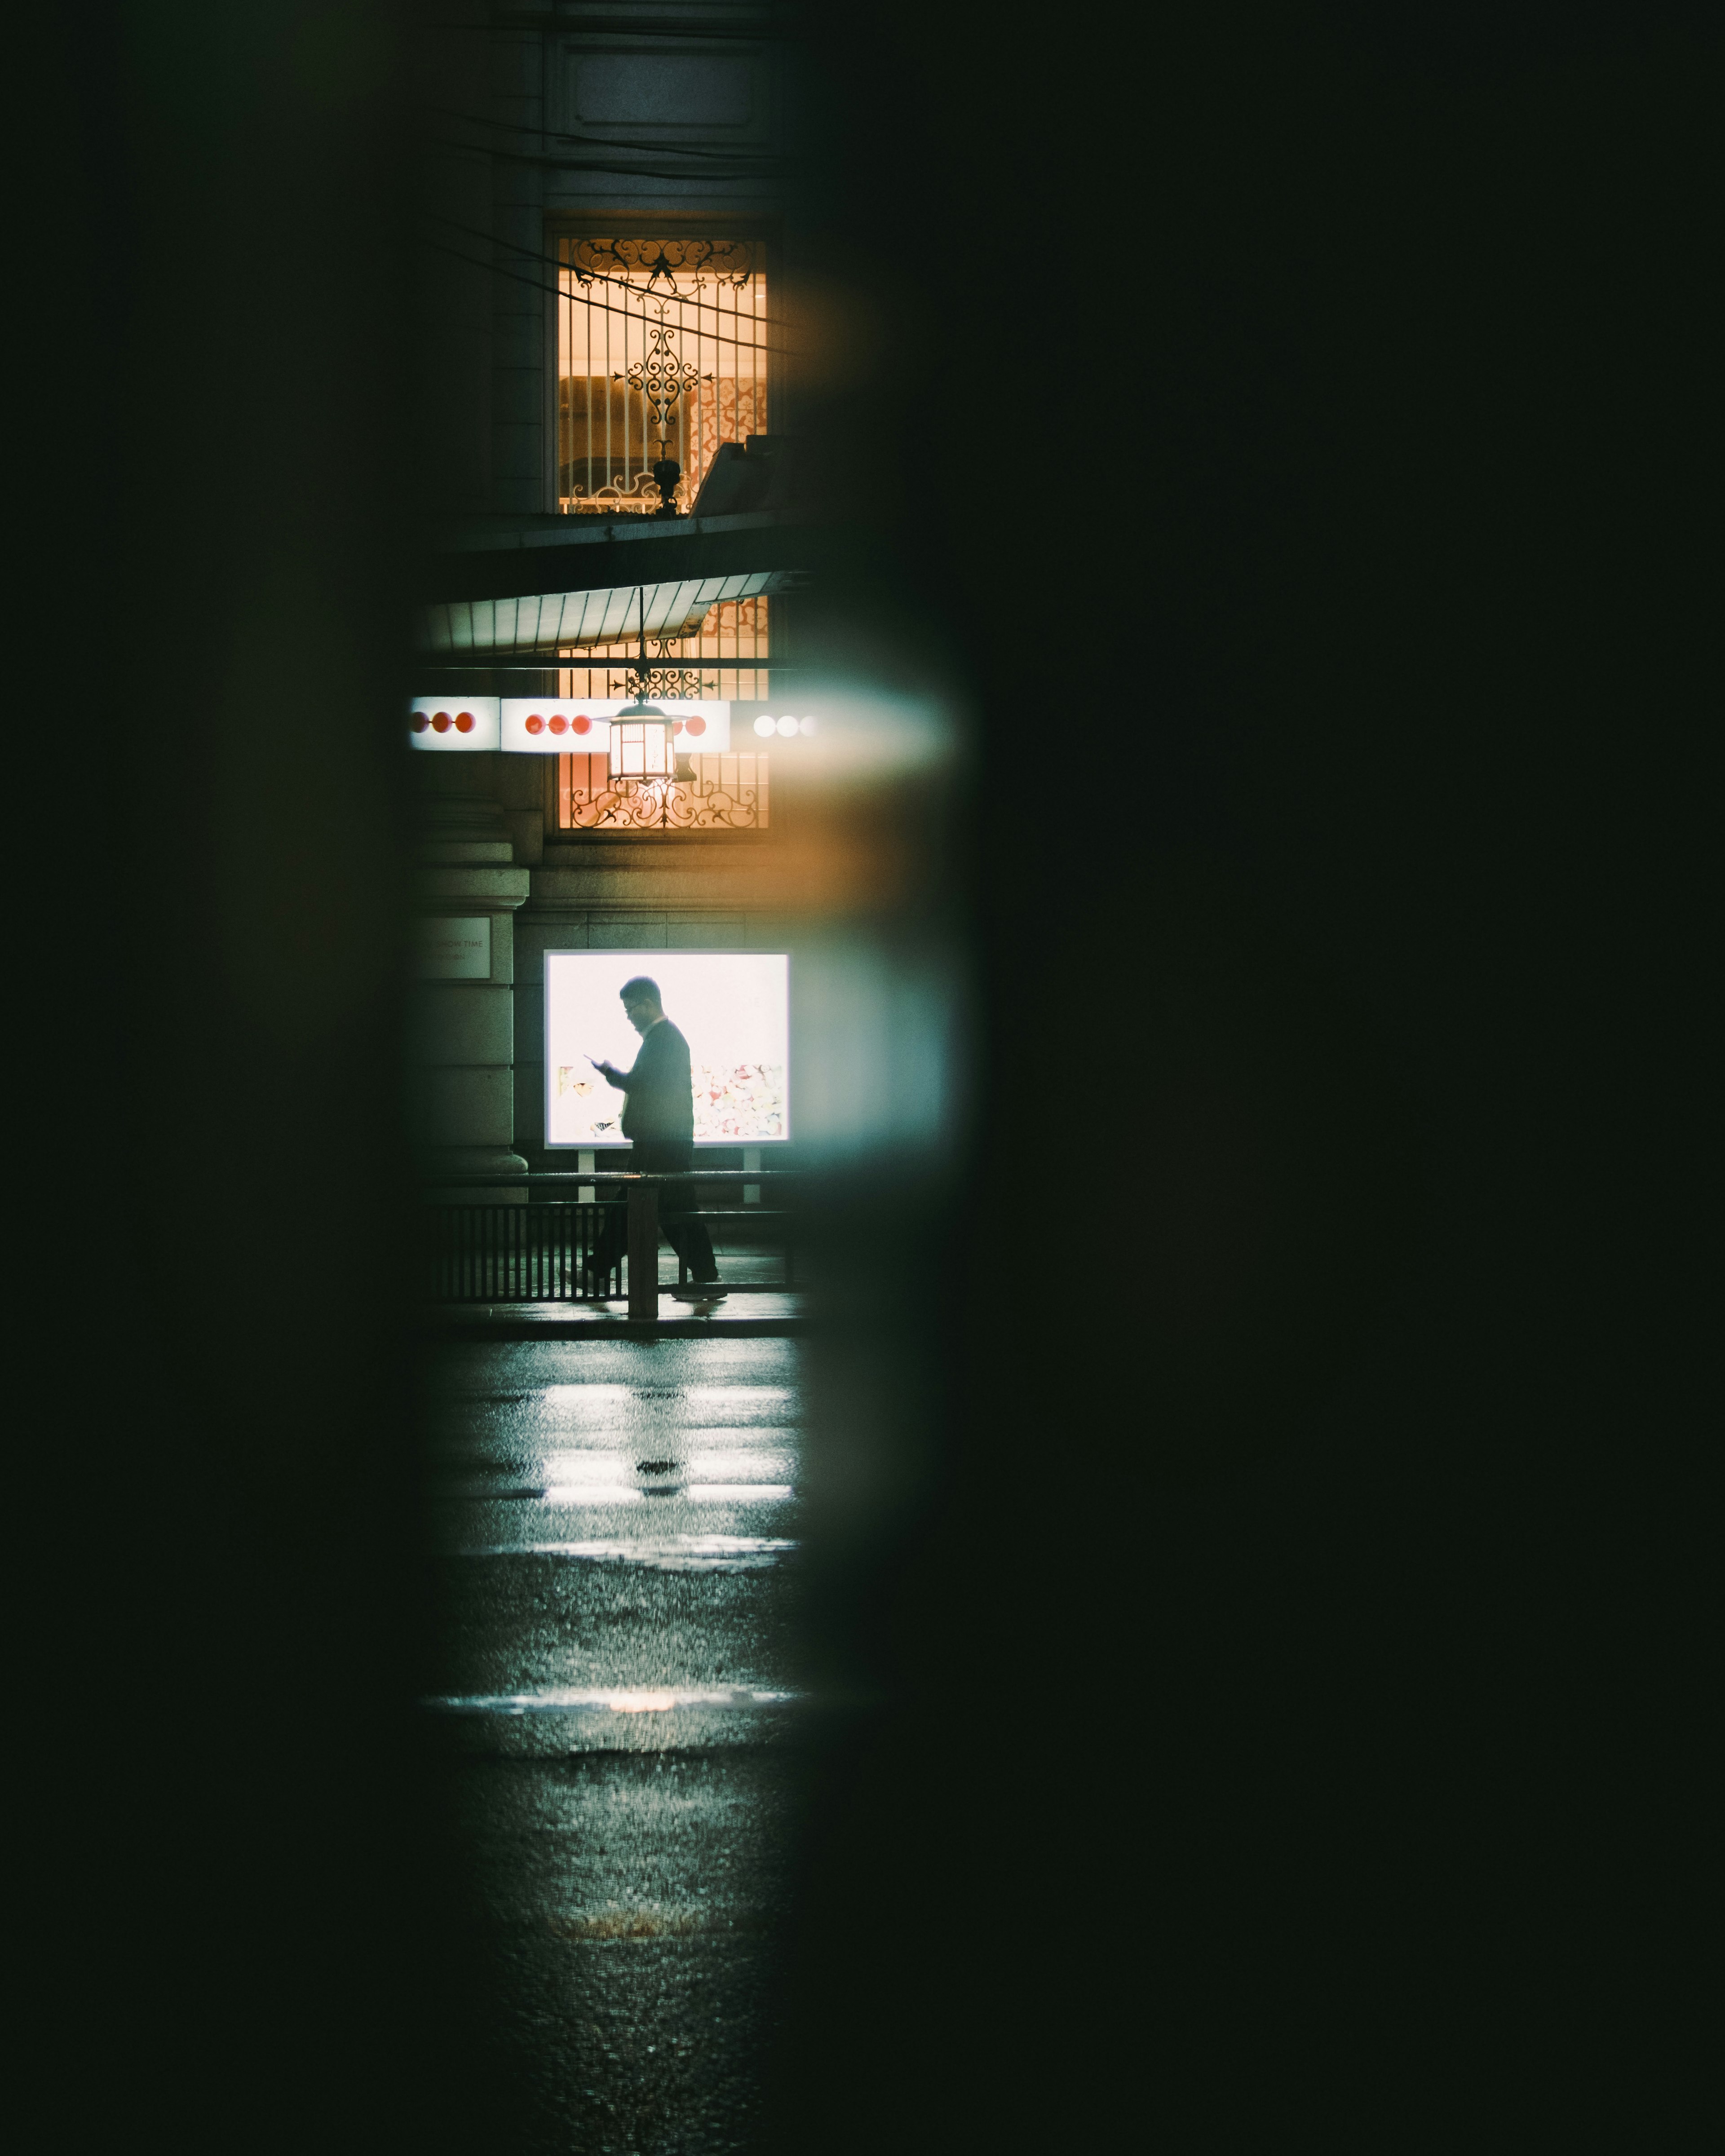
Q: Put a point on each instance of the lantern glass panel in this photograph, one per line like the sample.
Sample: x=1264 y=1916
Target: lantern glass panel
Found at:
x=640 y=748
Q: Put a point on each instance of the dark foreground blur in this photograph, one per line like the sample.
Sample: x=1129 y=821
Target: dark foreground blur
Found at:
x=1260 y=1627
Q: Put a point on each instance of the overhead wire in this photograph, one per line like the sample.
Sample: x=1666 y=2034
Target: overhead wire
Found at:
x=767 y=166
x=713 y=337
x=599 y=142
x=536 y=254
x=536 y=284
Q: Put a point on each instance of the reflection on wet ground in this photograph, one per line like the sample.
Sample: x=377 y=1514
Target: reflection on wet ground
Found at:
x=617 y=1715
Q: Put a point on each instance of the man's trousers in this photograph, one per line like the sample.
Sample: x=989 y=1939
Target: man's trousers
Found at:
x=687 y=1236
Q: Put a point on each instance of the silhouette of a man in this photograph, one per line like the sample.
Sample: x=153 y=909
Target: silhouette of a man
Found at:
x=659 y=1121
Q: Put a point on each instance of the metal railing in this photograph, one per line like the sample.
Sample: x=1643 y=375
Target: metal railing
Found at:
x=548 y=1252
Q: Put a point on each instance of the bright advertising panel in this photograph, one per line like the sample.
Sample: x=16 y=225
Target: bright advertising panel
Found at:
x=540 y=725
x=733 y=1007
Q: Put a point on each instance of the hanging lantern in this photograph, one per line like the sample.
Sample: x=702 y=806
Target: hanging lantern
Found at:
x=641 y=743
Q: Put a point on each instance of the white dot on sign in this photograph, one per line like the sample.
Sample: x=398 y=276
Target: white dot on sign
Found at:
x=805 y=726
x=788 y=728
x=764 y=726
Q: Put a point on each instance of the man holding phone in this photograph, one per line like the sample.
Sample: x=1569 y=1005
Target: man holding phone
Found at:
x=659 y=1121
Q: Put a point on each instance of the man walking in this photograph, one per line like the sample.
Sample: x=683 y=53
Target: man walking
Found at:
x=659 y=1121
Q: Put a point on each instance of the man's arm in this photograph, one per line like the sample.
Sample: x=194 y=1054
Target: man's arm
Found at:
x=641 y=1073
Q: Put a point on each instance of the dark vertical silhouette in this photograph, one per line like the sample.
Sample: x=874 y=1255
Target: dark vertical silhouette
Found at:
x=1265 y=1669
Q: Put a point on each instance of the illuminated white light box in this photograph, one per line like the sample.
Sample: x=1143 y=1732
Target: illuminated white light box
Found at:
x=733 y=1007
x=545 y=726
x=541 y=726
x=455 y=723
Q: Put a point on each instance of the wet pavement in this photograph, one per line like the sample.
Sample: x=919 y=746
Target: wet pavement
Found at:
x=618 y=1724
x=757 y=1315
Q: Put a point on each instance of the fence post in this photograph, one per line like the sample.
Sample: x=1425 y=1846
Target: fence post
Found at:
x=644 y=1253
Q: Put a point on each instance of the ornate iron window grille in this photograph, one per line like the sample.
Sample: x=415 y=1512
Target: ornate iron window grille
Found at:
x=721 y=793
x=652 y=785
x=670 y=362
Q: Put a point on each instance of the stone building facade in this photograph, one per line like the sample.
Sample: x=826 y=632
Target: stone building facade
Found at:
x=546 y=125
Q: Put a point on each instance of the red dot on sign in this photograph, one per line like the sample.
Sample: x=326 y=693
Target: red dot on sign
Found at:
x=536 y=724
x=464 y=724
x=679 y=726
x=440 y=724
x=584 y=725
x=559 y=724
x=420 y=722
x=697 y=725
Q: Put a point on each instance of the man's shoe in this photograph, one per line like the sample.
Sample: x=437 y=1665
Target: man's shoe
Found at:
x=700 y=1291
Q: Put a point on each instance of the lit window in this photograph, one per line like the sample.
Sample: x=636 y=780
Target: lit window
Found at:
x=662 y=352
x=665 y=349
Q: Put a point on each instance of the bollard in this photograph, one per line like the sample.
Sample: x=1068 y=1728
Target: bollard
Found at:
x=644 y=1253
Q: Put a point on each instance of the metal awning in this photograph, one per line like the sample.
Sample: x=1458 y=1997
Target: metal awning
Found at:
x=547 y=620
x=536 y=584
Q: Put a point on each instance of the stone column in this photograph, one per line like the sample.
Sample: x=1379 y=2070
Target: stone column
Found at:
x=462 y=1037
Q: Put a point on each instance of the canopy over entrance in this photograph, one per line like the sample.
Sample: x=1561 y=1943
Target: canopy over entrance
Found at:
x=512 y=586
